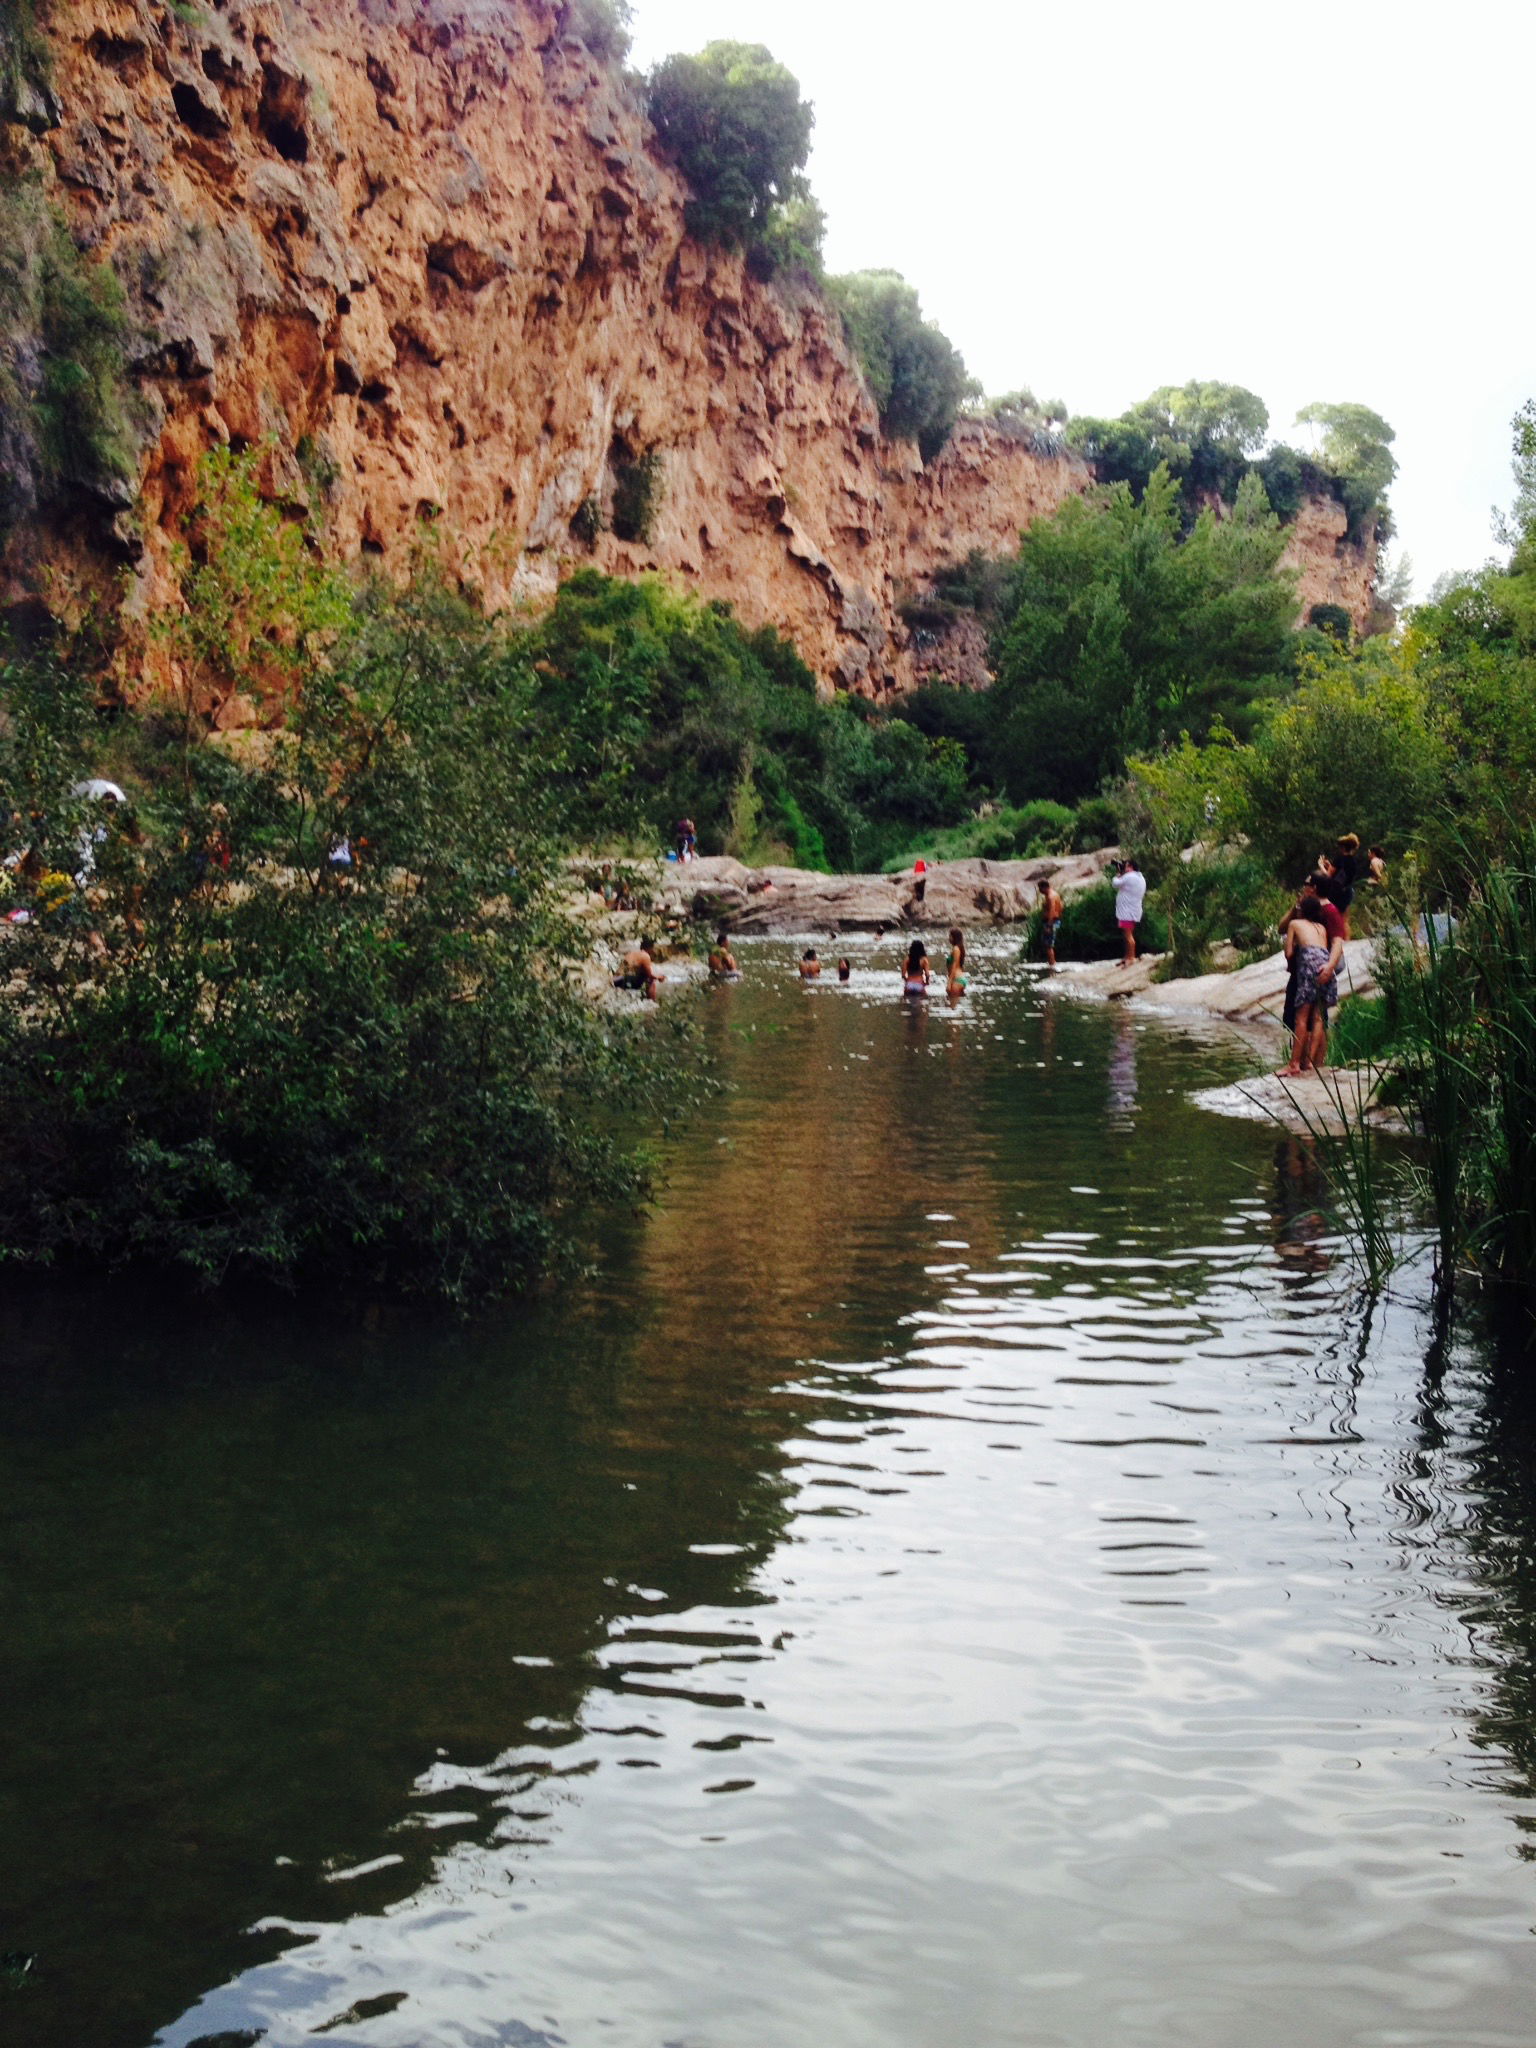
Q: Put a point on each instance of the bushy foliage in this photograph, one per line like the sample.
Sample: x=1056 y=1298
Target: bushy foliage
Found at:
x=915 y=373
x=1353 y=748
x=733 y=120
x=671 y=707
x=1088 y=929
x=379 y=1074
x=1117 y=634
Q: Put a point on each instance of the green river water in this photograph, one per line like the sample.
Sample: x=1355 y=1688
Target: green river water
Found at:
x=964 y=1572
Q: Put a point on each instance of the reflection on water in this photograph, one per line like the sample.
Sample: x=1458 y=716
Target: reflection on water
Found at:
x=962 y=1574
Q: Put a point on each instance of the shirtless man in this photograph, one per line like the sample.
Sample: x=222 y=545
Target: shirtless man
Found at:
x=640 y=971
x=1050 y=910
x=722 y=961
x=810 y=966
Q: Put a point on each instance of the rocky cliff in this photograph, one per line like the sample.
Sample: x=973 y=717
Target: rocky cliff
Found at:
x=422 y=251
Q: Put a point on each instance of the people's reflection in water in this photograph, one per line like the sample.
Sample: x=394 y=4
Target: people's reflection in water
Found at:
x=1122 y=1074
x=1301 y=1195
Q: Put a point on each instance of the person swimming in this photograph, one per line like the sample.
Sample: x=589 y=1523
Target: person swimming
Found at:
x=722 y=961
x=954 y=970
x=810 y=965
x=914 y=972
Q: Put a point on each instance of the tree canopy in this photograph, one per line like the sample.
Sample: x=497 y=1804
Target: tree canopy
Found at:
x=1117 y=635
x=733 y=119
x=917 y=375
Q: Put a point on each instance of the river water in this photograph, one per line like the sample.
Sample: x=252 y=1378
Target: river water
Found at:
x=965 y=1570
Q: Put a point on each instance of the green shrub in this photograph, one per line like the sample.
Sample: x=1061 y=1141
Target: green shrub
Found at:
x=733 y=120
x=1097 y=824
x=1363 y=1028
x=1088 y=928
x=388 y=1081
x=1333 y=620
x=917 y=377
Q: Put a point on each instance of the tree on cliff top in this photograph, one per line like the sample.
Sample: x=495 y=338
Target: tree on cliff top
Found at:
x=917 y=375
x=733 y=119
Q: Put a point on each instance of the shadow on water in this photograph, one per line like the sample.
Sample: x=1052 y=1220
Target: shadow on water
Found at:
x=312 y=1629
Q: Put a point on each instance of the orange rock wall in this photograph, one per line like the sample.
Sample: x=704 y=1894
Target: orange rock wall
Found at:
x=424 y=249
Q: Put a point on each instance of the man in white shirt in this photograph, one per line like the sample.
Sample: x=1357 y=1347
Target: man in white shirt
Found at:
x=1130 y=894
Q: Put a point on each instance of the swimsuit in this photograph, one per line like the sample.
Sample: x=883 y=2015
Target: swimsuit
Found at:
x=1310 y=962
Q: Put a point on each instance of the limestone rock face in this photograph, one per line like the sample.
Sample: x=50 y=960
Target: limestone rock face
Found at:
x=424 y=251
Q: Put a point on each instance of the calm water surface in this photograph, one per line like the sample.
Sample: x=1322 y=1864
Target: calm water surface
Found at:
x=964 y=1572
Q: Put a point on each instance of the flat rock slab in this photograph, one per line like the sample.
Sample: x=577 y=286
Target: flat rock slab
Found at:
x=1309 y=1104
x=1247 y=995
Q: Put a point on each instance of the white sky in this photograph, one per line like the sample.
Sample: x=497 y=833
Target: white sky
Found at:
x=1325 y=201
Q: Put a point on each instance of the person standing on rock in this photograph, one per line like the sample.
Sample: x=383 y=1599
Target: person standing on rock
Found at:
x=1130 y=894
x=1317 y=989
x=1051 y=907
x=1331 y=918
x=919 y=882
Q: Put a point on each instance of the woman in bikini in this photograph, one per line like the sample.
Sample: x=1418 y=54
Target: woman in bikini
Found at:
x=914 y=973
x=1307 y=947
x=954 y=970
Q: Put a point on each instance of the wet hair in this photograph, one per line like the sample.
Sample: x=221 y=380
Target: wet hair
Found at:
x=843 y=970
x=721 y=937
x=809 y=953
x=917 y=953
x=1311 y=909
x=957 y=938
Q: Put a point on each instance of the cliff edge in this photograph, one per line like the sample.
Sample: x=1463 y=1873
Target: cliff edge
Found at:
x=424 y=252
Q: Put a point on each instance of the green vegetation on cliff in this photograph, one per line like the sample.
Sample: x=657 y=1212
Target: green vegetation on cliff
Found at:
x=917 y=376
x=63 y=363
x=733 y=119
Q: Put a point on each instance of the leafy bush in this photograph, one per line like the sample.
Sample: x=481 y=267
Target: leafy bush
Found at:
x=917 y=377
x=587 y=521
x=1333 y=620
x=733 y=119
x=671 y=707
x=1118 y=633
x=382 y=1076
x=1096 y=825
x=1353 y=749
x=1088 y=928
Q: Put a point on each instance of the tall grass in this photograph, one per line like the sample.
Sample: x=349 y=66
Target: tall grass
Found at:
x=1362 y=1178
x=1467 y=1011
